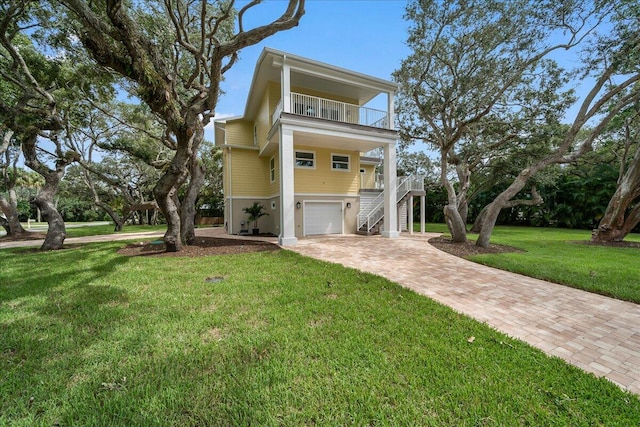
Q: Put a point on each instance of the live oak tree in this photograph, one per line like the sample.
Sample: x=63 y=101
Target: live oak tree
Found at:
x=31 y=110
x=470 y=62
x=174 y=53
x=122 y=156
x=623 y=211
x=478 y=65
x=614 y=66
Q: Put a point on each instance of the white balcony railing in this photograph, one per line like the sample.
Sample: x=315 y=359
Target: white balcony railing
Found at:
x=312 y=106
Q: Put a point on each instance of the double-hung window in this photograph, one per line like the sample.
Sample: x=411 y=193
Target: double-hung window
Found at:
x=306 y=159
x=272 y=169
x=340 y=162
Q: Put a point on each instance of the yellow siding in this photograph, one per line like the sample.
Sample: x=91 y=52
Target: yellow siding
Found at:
x=324 y=180
x=239 y=132
x=249 y=173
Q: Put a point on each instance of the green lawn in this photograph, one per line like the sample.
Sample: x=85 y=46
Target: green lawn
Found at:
x=91 y=338
x=553 y=254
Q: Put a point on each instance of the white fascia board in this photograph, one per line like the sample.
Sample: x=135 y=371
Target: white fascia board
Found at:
x=227 y=119
x=328 y=129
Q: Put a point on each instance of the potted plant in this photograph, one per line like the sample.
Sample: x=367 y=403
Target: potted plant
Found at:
x=255 y=212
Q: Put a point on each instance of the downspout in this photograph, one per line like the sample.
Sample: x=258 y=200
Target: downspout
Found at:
x=230 y=230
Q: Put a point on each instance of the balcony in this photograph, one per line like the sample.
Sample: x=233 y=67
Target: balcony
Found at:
x=328 y=109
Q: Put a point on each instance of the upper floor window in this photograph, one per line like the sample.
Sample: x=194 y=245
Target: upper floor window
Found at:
x=255 y=134
x=272 y=169
x=306 y=159
x=340 y=162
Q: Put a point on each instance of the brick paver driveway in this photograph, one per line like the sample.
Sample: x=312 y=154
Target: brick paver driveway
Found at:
x=596 y=333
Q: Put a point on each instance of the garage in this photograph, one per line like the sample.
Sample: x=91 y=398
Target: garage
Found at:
x=322 y=218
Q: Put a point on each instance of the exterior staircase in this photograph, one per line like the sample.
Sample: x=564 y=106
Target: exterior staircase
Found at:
x=371 y=213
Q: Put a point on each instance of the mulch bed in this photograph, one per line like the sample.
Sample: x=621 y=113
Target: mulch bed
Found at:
x=203 y=246
x=464 y=250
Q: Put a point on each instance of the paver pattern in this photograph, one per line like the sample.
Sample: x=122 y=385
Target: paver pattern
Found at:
x=596 y=333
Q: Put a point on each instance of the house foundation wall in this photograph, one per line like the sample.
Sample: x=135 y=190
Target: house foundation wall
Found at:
x=235 y=216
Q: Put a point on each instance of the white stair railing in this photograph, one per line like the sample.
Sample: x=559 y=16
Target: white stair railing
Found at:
x=371 y=213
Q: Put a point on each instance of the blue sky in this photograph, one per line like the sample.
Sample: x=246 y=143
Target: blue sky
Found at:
x=367 y=36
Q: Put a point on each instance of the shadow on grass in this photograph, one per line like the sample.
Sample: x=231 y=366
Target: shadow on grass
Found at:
x=30 y=272
x=54 y=307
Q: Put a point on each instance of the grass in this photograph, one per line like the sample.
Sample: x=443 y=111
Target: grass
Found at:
x=88 y=337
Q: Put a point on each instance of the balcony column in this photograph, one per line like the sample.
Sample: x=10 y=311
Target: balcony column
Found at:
x=422 y=214
x=285 y=87
x=390 y=196
x=287 y=205
x=410 y=212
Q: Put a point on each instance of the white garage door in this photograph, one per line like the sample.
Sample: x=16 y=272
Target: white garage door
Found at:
x=322 y=218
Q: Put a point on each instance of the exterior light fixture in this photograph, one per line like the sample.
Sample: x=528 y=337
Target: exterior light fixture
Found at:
x=298 y=205
x=348 y=205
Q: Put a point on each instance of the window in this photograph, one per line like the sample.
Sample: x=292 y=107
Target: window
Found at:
x=340 y=162
x=305 y=159
x=255 y=134
x=272 y=169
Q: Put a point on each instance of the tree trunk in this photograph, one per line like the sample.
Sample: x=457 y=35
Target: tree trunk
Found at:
x=503 y=200
x=44 y=200
x=10 y=210
x=57 y=231
x=165 y=194
x=464 y=180
x=457 y=227
x=618 y=221
x=166 y=191
x=478 y=223
x=188 y=207
x=118 y=220
x=455 y=223
x=5 y=224
x=491 y=216
x=463 y=209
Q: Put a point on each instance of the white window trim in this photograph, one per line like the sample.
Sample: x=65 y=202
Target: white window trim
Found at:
x=295 y=154
x=272 y=171
x=348 y=156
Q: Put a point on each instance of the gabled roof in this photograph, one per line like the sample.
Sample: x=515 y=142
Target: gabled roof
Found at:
x=314 y=75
